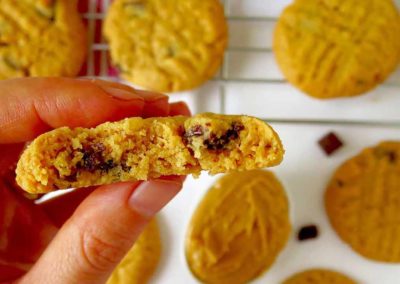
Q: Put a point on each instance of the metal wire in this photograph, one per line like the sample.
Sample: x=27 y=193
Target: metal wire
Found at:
x=224 y=77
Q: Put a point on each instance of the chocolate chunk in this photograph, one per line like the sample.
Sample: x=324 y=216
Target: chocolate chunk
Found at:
x=307 y=232
x=392 y=156
x=339 y=183
x=218 y=143
x=93 y=159
x=106 y=166
x=71 y=178
x=330 y=143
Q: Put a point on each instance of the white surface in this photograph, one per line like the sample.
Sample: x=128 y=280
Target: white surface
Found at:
x=304 y=173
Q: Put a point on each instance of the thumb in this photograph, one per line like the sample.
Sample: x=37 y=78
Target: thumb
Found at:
x=101 y=231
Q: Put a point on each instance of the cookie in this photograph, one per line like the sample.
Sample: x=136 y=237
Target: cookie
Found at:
x=141 y=149
x=319 y=276
x=40 y=38
x=239 y=228
x=166 y=45
x=362 y=201
x=332 y=48
x=139 y=264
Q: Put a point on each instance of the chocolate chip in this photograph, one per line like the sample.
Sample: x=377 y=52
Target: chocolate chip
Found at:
x=93 y=159
x=71 y=178
x=307 y=232
x=392 y=156
x=218 y=143
x=330 y=143
x=339 y=183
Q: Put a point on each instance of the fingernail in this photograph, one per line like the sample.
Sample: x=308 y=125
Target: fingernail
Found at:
x=122 y=94
x=151 y=196
x=150 y=96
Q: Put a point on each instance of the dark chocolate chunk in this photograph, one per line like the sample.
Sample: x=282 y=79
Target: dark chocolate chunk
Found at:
x=307 y=232
x=218 y=143
x=392 y=156
x=93 y=159
x=339 y=183
x=330 y=143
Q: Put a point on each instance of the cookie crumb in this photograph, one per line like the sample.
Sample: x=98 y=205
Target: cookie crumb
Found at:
x=330 y=143
x=307 y=232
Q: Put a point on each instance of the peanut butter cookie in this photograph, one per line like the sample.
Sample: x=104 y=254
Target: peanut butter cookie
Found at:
x=40 y=38
x=319 y=276
x=239 y=228
x=139 y=264
x=166 y=45
x=363 y=202
x=333 y=48
x=141 y=149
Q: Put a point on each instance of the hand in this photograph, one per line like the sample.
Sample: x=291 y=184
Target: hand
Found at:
x=81 y=236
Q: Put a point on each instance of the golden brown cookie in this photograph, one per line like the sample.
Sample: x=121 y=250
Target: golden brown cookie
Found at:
x=363 y=202
x=239 y=228
x=139 y=264
x=140 y=149
x=166 y=45
x=41 y=38
x=334 y=48
x=319 y=276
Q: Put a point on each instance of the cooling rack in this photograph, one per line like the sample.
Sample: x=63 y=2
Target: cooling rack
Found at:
x=249 y=80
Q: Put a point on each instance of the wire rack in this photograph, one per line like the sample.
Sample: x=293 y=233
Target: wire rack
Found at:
x=99 y=64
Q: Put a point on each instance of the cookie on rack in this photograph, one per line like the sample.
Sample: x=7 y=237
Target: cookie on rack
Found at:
x=330 y=48
x=166 y=45
x=140 y=149
x=139 y=264
x=362 y=201
x=41 y=38
x=239 y=228
x=319 y=276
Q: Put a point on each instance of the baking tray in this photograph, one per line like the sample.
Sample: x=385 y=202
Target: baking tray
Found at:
x=244 y=85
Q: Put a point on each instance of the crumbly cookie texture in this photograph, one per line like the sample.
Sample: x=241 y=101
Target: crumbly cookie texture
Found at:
x=40 y=38
x=141 y=261
x=166 y=45
x=239 y=228
x=332 y=48
x=141 y=149
x=362 y=201
x=319 y=276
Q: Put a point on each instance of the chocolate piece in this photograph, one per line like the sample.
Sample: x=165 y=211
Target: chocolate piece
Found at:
x=93 y=159
x=392 y=156
x=307 y=232
x=330 y=143
x=218 y=143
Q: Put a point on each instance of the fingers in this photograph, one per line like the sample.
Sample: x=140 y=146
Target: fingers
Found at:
x=60 y=208
x=24 y=233
x=101 y=231
x=30 y=106
x=179 y=108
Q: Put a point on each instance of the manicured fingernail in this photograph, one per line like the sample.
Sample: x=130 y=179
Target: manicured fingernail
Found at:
x=122 y=94
x=150 y=96
x=151 y=196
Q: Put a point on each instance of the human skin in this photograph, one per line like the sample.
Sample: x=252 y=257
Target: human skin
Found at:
x=81 y=236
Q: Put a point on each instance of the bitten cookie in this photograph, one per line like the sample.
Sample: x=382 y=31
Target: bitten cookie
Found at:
x=362 y=201
x=239 y=228
x=139 y=264
x=319 y=276
x=41 y=38
x=166 y=45
x=331 y=48
x=141 y=149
